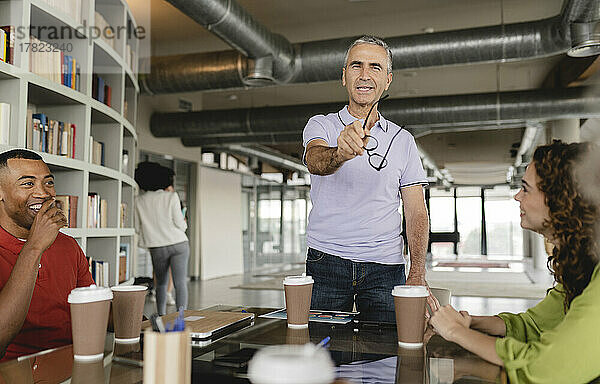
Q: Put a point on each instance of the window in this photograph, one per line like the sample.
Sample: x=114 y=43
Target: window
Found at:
x=504 y=233
x=468 y=210
x=441 y=210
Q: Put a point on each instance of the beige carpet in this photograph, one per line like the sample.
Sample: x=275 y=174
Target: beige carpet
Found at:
x=480 y=284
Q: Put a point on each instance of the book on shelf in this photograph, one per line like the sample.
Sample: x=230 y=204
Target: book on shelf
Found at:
x=100 y=271
x=97 y=149
x=97 y=211
x=7 y=44
x=123 y=262
x=103 y=213
x=123 y=216
x=50 y=136
x=4 y=123
x=101 y=91
x=3 y=39
x=68 y=204
x=93 y=203
x=122 y=268
x=54 y=65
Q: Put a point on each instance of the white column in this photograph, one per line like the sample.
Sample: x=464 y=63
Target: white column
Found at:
x=567 y=130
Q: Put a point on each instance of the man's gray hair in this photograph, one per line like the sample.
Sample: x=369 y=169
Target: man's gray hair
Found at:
x=367 y=39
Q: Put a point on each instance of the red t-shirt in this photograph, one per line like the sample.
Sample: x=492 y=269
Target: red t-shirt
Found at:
x=48 y=321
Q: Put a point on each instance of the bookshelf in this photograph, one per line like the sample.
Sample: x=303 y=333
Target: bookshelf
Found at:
x=111 y=123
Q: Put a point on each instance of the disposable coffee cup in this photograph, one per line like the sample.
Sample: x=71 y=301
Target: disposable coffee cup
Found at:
x=89 y=319
x=128 y=310
x=298 y=292
x=409 y=301
x=291 y=364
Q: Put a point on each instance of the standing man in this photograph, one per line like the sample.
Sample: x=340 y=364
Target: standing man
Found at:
x=359 y=174
x=38 y=265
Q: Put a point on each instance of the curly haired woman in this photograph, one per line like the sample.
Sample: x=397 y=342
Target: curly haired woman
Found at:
x=558 y=340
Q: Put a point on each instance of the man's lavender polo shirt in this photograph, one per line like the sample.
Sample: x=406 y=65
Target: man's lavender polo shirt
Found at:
x=355 y=210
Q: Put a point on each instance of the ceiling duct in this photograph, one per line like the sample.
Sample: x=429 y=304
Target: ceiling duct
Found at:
x=322 y=60
x=229 y=21
x=282 y=124
x=586 y=39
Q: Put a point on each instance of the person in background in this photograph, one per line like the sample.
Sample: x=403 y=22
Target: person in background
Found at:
x=558 y=340
x=162 y=230
x=39 y=266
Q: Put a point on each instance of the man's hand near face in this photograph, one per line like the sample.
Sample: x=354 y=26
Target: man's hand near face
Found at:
x=16 y=293
x=45 y=226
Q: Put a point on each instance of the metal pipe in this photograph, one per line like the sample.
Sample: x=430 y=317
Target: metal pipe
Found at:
x=284 y=124
x=323 y=60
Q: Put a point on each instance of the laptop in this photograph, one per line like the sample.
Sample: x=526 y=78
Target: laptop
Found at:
x=208 y=325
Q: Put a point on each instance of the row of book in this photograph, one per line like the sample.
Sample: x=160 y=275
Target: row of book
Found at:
x=97 y=151
x=54 y=65
x=68 y=204
x=4 y=123
x=97 y=211
x=100 y=271
x=101 y=91
x=7 y=44
x=50 y=136
x=69 y=7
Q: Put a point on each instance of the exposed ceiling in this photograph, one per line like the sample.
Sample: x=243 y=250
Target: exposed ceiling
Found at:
x=487 y=151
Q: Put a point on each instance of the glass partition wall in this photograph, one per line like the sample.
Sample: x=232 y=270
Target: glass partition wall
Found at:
x=274 y=225
x=475 y=222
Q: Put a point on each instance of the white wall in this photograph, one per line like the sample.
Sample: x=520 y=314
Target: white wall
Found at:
x=216 y=228
x=221 y=223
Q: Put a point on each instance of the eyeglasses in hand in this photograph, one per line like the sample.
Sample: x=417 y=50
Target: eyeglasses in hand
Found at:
x=377 y=161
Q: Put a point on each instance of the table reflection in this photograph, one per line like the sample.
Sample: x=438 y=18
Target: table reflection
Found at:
x=362 y=353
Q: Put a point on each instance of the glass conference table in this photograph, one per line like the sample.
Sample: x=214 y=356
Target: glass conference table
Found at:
x=363 y=353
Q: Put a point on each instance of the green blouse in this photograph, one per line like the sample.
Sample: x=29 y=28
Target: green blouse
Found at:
x=545 y=345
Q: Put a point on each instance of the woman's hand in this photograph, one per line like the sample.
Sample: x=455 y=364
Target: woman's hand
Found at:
x=447 y=321
x=467 y=318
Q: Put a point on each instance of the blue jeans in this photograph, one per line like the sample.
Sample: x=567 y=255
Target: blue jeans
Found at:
x=338 y=280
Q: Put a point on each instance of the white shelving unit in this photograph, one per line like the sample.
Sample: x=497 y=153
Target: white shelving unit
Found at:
x=114 y=125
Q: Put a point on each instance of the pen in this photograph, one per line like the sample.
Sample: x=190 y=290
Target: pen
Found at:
x=324 y=342
x=160 y=325
x=178 y=324
x=157 y=324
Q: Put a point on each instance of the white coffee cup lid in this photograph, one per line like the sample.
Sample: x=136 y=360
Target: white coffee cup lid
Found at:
x=89 y=294
x=298 y=280
x=128 y=288
x=291 y=364
x=410 y=291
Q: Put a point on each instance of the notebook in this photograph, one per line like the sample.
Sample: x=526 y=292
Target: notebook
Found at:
x=205 y=325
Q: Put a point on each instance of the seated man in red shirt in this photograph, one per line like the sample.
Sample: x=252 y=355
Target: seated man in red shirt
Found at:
x=38 y=265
